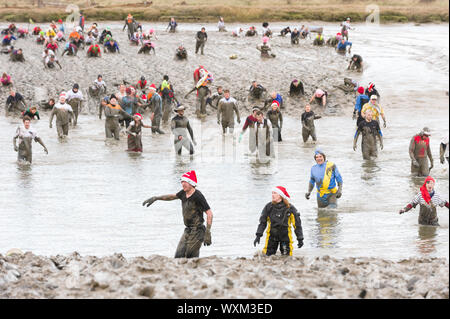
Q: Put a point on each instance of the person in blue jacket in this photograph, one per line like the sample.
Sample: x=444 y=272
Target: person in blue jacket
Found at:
x=342 y=46
x=361 y=99
x=274 y=97
x=8 y=39
x=325 y=175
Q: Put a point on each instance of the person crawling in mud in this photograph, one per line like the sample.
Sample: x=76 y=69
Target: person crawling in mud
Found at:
x=147 y=47
x=32 y=113
x=41 y=38
x=8 y=40
x=304 y=32
x=256 y=91
x=17 y=56
x=194 y=205
x=47 y=105
x=295 y=36
x=429 y=200
x=6 y=80
x=296 y=88
x=70 y=48
x=265 y=49
x=15 y=102
x=342 y=46
x=112 y=46
x=181 y=53
x=281 y=215
x=251 y=32
x=266 y=30
x=25 y=134
x=334 y=40
x=285 y=31
x=319 y=40
x=356 y=63
x=94 y=51
x=320 y=97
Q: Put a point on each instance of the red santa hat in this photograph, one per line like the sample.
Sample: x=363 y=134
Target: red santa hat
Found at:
x=275 y=102
x=63 y=95
x=190 y=177
x=139 y=116
x=361 y=90
x=153 y=86
x=280 y=190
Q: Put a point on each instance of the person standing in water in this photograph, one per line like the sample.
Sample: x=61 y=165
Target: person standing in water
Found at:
x=308 y=127
x=113 y=112
x=193 y=205
x=428 y=200
x=370 y=131
x=419 y=149
x=276 y=119
x=75 y=99
x=135 y=133
x=64 y=113
x=201 y=39
x=443 y=150
x=26 y=135
x=180 y=127
x=226 y=108
x=325 y=175
x=280 y=215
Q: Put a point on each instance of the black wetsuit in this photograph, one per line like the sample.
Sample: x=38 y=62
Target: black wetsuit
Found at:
x=280 y=219
x=296 y=90
x=194 y=233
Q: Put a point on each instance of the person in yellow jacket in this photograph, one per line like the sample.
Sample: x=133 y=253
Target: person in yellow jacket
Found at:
x=375 y=108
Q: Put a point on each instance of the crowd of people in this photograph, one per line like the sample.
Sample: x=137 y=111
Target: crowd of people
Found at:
x=123 y=111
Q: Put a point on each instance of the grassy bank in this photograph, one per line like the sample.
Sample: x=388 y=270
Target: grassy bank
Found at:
x=421 y=11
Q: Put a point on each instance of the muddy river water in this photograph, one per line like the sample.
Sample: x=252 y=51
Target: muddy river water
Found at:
x=86 y=195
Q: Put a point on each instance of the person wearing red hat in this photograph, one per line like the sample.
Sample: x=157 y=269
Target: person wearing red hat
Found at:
x=420 y=152
x=279 y=216
x=371 y=90
x=134 y=132
x=361 y=99
x=276 y=119
x=194 y=205
x=428 y=200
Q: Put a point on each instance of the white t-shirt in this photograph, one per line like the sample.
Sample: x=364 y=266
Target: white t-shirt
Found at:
x=22 y=133
x=72 y=95
x=64 y=106
x=50 y=52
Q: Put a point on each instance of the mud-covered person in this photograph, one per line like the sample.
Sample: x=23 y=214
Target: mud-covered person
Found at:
x=194 y=205
x=201 y=39
x=25 y=134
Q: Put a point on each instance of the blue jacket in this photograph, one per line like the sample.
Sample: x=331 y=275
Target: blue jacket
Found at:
x=279 y=99
x=360 y=101
x=318 y=172
x=342 y=47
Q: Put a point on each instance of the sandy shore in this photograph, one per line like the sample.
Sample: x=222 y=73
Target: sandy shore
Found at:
x=30 y=276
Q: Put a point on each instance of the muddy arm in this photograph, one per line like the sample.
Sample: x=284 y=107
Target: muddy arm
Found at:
x=39 y=140
x=153 y=199
x=51 y=117
x=411 y=149
x=442 y=148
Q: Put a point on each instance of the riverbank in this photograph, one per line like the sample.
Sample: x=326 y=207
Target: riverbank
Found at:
x=74 y=276
x=419 y=11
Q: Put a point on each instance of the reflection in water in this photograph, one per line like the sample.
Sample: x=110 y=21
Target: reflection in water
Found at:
x=370 y=170
x=327 y=231
x=24 y=173
x=426 y=243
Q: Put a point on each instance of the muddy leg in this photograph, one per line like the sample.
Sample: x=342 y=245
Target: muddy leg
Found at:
x=305 y=134
x=424 y=169
x=181 y=248
x=194 y=242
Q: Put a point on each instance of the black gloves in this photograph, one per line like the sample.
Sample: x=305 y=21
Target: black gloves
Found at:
x=258 y=237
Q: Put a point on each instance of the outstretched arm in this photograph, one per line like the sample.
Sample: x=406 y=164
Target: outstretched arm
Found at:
x=39 y=140
x=153 y=199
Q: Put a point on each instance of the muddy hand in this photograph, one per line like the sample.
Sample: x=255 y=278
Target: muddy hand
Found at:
x=307 y=195
x=207 y=239
x=149 y=201
x=256 y=240
x=401 y=211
